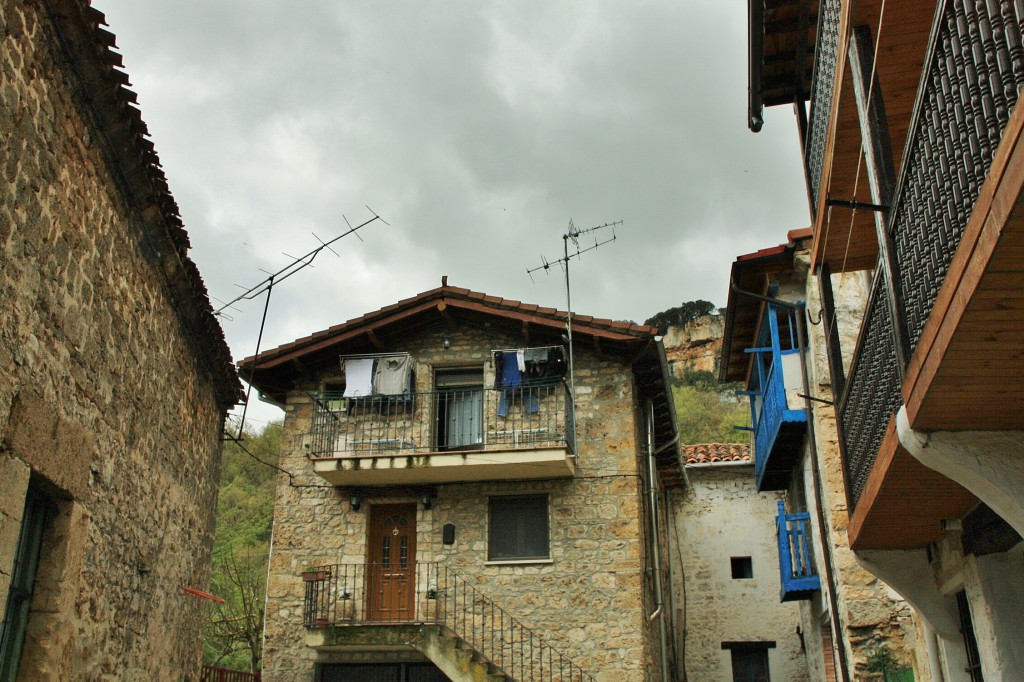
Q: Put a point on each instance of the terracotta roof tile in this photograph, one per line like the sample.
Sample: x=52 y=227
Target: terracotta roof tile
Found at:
x=712 y=453
x=453 y=293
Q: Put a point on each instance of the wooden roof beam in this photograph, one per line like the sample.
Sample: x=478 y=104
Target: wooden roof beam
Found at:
x=526 y=331
x=446 y=315
x=375 y=340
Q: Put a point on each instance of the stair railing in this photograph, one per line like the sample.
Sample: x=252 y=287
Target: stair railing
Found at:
x=432 y=593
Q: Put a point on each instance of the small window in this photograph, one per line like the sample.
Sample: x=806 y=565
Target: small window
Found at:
x=750 y=665
x=518 y=528
x=742 y=568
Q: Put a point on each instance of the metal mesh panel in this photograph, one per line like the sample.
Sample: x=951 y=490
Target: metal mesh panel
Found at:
x=872 y=394
x=971 y=85
x=825 y=58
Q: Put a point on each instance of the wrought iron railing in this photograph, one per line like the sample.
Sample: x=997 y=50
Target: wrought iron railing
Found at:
x=795 y=566
x=825 y=60
x=872 y=391
x=212 y=673
x=443 y=421
x=972 y=76
x=431 y=593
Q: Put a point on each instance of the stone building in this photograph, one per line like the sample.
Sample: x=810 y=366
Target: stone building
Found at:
x=726 y=566
x=451 y=512
x=114 y=374
x=913 y=156
x=850 y=621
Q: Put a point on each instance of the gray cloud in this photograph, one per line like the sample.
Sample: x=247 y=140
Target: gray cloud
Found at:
x=477 y=129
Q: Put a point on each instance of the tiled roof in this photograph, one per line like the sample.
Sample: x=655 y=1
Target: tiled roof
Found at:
x=457 y=297
x=713 y=453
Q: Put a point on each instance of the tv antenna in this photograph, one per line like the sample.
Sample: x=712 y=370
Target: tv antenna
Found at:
x=573 y=235
x=266 y=285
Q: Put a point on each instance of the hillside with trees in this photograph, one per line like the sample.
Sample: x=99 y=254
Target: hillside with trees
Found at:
x=245 y=513
x=707 y=411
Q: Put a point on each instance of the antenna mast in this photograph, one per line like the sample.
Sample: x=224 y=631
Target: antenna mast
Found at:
x=573 y=235
x=267 y=285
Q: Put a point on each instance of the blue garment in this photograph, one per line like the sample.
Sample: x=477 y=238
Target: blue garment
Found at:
x=511 y=381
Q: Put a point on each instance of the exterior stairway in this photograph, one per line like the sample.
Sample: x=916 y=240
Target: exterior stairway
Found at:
x=460 y=630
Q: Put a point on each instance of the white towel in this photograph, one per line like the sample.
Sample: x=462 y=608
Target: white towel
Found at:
x=358 y=377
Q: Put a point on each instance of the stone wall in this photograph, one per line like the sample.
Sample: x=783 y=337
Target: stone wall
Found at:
x=718 y=516
x=587 y=601
x=872 y=614
x=106 y=405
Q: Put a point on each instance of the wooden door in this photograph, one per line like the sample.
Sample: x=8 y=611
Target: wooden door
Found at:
x=391 y=563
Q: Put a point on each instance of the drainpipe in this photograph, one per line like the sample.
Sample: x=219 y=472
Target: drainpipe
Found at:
x=931 y=642
x=656 y=540
x=826 y=546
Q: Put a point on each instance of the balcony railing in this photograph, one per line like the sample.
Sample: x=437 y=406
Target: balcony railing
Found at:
x=778 y=430
x=431 y=593
x=799 y=580
x=443 y=421
x=973 y=74
x=872 y=393
x=825 y=61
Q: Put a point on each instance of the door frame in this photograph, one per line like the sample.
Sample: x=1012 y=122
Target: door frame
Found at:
x=390 y=589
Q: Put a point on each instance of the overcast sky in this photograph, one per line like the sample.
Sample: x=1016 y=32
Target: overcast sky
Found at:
x=477 y=129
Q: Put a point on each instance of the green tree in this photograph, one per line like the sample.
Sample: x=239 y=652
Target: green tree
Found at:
x=707 y=411
x=245 y=512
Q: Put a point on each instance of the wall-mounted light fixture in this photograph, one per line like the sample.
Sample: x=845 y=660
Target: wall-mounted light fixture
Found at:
x=446 y=342
x=355 y=502
x=427 y=500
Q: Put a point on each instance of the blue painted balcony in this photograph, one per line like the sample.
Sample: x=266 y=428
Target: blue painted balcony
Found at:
x=799 y=581
x=773 y=387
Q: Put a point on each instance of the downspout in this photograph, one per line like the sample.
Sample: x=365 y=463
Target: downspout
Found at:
x=826 y=547
x=931 y=643
x=659 y=611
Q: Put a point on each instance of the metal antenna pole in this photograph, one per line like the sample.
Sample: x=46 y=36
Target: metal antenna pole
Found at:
x=568 y=314
x=573 y=234
x=267 y=286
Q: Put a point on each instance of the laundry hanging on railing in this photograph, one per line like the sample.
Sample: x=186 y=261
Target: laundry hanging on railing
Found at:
x=389 y=374
x=358 y=377
x=392 y=375
x=517 y=370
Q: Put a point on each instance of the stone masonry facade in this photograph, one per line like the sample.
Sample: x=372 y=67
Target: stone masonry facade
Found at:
x=874 y=617
x=587 y=601
x=114 y=378
x=719 y=516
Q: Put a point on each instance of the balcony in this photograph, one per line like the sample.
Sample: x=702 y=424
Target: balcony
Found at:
x=386 y=607
x=775 y=376
x=799 y=581
x=466 y=434
x=944 y=325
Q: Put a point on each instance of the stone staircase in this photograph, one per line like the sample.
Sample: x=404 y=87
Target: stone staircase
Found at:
x=456 y=658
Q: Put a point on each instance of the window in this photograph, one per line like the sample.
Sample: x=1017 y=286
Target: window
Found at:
x=750 y=665
x=518 y=528
x=749 y=660
x=459 y=408
x=742 y=568
x=23 y=578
